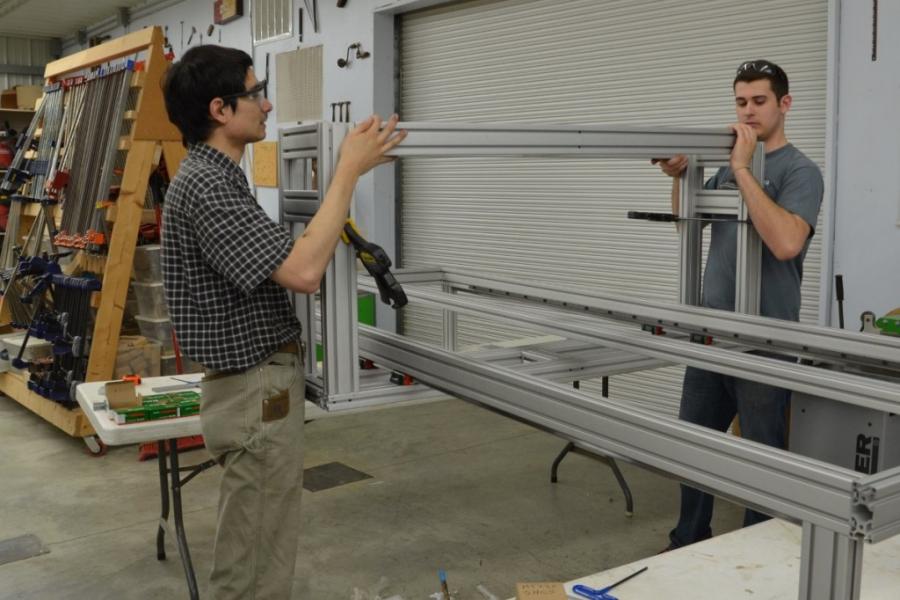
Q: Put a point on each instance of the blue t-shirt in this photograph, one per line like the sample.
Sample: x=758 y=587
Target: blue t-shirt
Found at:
x=795 y=183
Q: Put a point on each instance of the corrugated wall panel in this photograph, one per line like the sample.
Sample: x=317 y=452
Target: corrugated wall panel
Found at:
x=642 y=62
x=23 y=51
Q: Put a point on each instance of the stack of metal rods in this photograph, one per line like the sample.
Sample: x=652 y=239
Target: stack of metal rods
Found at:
x=48 y=120
x=62 y=164
x=8 y=259
x=75 y=135
x=46 y=152
x=91 y=154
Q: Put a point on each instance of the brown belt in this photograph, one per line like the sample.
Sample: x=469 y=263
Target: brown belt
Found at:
x=290 y=348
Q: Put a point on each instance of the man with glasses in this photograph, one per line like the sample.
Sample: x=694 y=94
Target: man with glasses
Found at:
x=227 y=269
x=783 y=208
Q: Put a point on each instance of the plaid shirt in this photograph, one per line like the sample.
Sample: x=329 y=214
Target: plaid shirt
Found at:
x=219 y=250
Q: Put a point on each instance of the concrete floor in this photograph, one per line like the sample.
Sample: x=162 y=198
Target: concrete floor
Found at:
x=454 y=487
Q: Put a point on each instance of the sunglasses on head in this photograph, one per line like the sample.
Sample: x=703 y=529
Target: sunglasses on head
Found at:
x=260 y=90
x=757 y=66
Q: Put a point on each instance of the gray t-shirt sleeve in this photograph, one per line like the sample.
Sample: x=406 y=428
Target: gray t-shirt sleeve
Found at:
x=713 y=182
x=801 y=193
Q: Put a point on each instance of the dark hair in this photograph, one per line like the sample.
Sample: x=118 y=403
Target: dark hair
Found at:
x=203 y=73
x=754 y=70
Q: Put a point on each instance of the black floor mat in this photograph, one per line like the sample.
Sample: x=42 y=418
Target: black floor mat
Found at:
x=331 y=475
x=20 y=548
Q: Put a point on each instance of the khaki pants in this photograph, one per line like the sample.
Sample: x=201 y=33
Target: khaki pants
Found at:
x=253 y=425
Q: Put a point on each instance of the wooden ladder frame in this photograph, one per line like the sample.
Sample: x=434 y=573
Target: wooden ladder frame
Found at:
x=153 y=136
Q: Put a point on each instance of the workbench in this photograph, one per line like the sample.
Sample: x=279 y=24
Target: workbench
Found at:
x=761 y=562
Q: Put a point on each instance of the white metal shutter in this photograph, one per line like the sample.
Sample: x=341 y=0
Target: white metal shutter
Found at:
x=641 y=62
x=25 y=52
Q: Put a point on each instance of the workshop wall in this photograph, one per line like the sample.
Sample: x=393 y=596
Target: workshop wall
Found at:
x=17 y=54
x=867 y=199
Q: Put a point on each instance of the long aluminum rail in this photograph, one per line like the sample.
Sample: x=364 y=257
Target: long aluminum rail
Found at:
x=795 y=487
x=469 y=139
x=828 y=344
x=844 y=387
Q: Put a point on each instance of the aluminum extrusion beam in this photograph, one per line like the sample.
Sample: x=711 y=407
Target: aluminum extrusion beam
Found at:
x=564 y=361
x=812 y=340
x=879 y=494
x=843 y=387
x=793 y=486
x=748 y=267
x=716 y=202
x=831 y=565
x=613 y=141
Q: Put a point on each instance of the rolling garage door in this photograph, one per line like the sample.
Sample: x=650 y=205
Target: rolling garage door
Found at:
x=639 y=62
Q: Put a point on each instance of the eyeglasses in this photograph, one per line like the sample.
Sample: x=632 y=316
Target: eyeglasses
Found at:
x=256 y=93
x=757 y=66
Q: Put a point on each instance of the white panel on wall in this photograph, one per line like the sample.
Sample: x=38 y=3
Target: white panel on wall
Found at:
x=298 y=95
x=272 y=20
x=563 y=222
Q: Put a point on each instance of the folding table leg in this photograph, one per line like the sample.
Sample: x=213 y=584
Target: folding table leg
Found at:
x=179 y=523
x=164 y=494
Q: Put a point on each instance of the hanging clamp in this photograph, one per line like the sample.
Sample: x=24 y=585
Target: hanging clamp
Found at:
x=377 y=263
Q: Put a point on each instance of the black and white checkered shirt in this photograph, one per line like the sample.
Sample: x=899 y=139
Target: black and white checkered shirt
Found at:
x=219 y=250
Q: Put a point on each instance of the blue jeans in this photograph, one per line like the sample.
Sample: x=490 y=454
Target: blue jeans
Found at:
x=712 y=400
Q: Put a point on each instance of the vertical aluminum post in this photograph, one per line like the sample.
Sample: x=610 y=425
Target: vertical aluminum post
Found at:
x=831 y=565
x=338 y=292
x=748 y=270
x=691 y=249
x=449 y=322
x=296 y=174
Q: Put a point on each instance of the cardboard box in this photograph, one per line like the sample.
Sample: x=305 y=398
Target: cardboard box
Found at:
x=8 y=99
x=21 y=97
x=121 y=394
x=540 y=591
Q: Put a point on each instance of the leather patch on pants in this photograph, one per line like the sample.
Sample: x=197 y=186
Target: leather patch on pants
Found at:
x=277 y=407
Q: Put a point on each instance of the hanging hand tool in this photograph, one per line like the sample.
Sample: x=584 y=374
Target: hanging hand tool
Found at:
x=839 y=295
x=377 y=263
x=300 y=26
x=312 y=9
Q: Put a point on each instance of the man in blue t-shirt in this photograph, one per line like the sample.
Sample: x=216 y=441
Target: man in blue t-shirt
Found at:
x=783 y=209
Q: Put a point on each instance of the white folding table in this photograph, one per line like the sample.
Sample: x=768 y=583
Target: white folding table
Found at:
x=761 y=562
x=165 y=432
